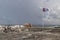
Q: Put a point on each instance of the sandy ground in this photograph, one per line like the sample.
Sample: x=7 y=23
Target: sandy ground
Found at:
x=29 y=36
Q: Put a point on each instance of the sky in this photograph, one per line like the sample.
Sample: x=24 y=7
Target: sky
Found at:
x=22 y=11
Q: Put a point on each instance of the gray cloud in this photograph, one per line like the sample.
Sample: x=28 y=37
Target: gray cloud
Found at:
x=21 y=11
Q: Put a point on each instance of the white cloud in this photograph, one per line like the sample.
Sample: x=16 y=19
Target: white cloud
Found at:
x=53 y=15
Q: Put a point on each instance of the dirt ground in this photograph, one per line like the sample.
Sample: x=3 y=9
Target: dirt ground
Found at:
x=30 y=35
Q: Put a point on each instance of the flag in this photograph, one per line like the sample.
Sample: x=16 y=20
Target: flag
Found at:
x=45 y=9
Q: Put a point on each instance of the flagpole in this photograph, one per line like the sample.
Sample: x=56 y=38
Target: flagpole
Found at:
x=43 y=19
x=44 y=10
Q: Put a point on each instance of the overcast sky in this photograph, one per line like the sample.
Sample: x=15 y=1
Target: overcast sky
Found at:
x=21 y=11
